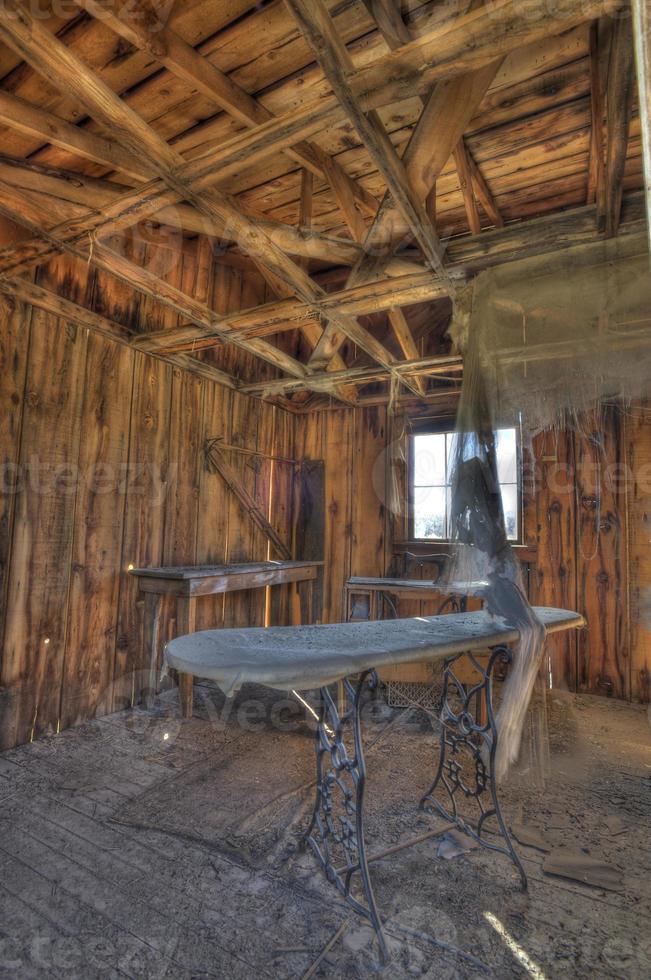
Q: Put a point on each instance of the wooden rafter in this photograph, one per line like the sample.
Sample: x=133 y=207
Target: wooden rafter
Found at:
x=27 y=118
x=483 y=192
x=440 y=365
x=93 y=193
x=642 y=36
x=147 y=282
x=396 y=33
x=388 y=18
x=446 y=115
x=465 y=182
x=272 y=318
x=619 y=107
x=596 y=162
x=318 y=28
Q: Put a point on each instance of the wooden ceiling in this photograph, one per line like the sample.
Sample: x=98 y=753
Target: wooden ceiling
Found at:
x=364 y=157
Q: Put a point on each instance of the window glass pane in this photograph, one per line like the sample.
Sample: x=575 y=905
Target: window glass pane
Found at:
x=429 y=459
x=507 y=456
x=433 y=458
x=429 y=512
x=510 y=504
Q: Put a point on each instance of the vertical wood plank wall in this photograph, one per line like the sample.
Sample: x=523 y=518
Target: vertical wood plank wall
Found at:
x=586 y=516
x=100 y=449
x=101 y=468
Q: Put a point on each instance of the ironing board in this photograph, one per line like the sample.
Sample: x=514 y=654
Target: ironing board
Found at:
x=310 y=657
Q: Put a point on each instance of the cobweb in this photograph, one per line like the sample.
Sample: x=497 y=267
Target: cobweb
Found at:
x=544 y=341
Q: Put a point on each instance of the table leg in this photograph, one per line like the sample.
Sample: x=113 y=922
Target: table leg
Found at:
x=471 y=737
x=186 y=623
x=151 y=626
x=336 y=830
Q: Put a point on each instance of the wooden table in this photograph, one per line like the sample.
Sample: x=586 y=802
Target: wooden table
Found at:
x=364 y=595
x=190 y=582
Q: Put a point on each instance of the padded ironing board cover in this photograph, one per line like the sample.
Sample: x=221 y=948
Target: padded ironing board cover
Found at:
x=308 y=657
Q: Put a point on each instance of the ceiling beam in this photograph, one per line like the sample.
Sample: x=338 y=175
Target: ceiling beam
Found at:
x=439 y=364
x=482 y=191
x=597 y=109
x=331 y=53
x=388 y=18
x=288 y=314
x=619 y=102
x=642 y=38
x=465 y=182
x=442 y=123
x=26 y=118
x=357 y=227
x=96 y=193
x=22 y=210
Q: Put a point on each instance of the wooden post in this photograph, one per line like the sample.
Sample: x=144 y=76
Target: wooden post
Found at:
x=641 y=10
x=186 y=609
x=151 y=625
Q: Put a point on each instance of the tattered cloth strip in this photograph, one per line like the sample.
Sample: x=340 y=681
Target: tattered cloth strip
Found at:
x=544 y=340
x=482 y=553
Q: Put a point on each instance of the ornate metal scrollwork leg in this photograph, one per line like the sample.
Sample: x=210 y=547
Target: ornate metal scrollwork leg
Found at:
x=336 y=830
x=466 y=737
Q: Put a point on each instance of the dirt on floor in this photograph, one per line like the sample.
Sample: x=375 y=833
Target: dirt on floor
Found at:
x=144 y=846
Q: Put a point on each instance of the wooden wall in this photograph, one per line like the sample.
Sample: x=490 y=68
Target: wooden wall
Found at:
x=101 y=466
x=587 y=531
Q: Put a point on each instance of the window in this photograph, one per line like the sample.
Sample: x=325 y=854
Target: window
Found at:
x=431 y=460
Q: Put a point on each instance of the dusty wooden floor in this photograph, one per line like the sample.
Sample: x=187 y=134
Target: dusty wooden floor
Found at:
x=140 y=846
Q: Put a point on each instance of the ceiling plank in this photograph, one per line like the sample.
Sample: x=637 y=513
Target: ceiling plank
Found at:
x=619 y=102
x=182 y=60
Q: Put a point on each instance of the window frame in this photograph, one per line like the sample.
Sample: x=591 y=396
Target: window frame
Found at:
x=446 y=427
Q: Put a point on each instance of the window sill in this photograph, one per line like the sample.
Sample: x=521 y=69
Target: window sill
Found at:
x=525 y=553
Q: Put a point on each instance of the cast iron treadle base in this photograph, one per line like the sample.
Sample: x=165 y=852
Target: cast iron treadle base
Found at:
x=336 y=830
x=467 y=756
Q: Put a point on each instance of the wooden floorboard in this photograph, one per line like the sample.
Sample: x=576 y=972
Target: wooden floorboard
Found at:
x=114 y=861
